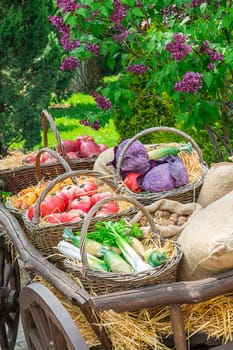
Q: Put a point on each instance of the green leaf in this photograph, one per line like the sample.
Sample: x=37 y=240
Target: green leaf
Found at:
x=82 y=12
x=226 y=20
x=208 y=78
x=104 y=10
x=207 y=111
x=137 y=12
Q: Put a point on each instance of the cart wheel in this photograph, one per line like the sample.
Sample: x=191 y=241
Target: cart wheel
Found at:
x=9 y=296
x=46 y=323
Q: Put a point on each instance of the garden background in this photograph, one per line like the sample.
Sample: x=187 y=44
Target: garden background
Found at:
x=120 y=67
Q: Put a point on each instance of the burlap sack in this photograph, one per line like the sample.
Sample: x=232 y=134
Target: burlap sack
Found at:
x=207 y=241
x=170 y=231
x=101 y=164
x=217 y=183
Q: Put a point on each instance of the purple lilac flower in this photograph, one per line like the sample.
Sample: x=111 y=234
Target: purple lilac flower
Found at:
x=94 y=14
x=204 y=46
x=93 y=48
x=69 y=63
x=58 y=22
x=229 y=105
x=138 y=69
x=67 y=5
x=213 y=54
x=96 y=125
x=66 y=43
x=64 y=30
x=196 y=3
x=211 y=66
x=123 y=33
x=101 y=101
x=119 y=12
x=179 y=49
x=191 y=82
x=138 y=3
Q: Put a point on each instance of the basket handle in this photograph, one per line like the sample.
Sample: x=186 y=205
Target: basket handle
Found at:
x=47 y=117
x=92 y=212
x=156 y=129
x=56 y=155
x=62 y=177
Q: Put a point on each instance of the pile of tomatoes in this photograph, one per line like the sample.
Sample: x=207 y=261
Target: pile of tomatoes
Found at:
x=72 y=203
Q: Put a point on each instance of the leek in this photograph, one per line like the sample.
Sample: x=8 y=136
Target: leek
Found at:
x=136 y=245
x=131 y=255
x=71 y=251
x=162 y=152
x=117 y=263
x=92 y=247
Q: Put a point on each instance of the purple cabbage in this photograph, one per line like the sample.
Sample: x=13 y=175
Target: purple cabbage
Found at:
x=165 y=175
x=178 y=171
x=158 y=179
x=135 y=159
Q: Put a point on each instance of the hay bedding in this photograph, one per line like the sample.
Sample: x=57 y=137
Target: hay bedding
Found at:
x=14 y=160
x=144 y=330
x=190 y=161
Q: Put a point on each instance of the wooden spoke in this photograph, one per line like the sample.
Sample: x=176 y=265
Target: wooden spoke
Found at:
x=9 y=295
x=46 y=323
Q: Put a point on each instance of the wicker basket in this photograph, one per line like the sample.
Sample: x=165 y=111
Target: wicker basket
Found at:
x=107 y=282
x=15 y=179
x=194 y=163
x=75 y=164
x=46 y=236
x=32 y=176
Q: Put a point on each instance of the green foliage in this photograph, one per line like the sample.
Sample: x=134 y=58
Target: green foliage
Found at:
x=29 y=70
x=68 y=124
x=147 y=109
x=139 y=34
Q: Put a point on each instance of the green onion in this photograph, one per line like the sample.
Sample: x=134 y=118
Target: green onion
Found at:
x=71 y=251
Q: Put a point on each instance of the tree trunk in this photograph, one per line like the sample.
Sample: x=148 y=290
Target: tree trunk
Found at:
x=87 y=77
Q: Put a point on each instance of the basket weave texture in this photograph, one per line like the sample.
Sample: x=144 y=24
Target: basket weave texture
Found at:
x=47 y=236
x=17 y=178
x=194 y=163
x=107 y=282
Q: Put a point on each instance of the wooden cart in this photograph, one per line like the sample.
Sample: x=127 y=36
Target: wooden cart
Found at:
x=46 y=323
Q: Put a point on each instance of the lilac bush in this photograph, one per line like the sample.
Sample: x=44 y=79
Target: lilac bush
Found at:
x=184 y=48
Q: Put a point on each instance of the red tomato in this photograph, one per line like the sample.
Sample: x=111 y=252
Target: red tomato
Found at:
x=30 y=212
x=79 y=204
x=70 y=191
x=52 y=204
x=108 y=209
x=54 y=218
x=98 y=196
x=130 y=181
x=66 y=217
x=65 y=198
x=85 y=199
x=86 y=188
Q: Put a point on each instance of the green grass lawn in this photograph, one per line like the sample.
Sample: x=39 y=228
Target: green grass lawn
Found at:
x=67 y=121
